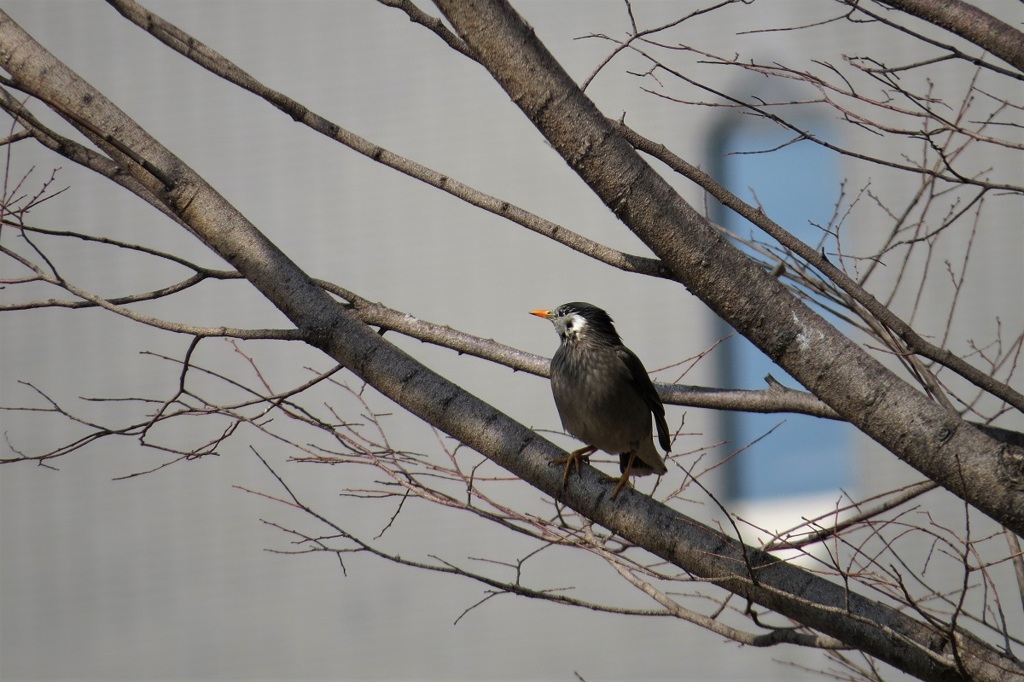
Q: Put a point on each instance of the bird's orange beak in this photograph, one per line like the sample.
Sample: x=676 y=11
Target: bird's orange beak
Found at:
x=541 y=313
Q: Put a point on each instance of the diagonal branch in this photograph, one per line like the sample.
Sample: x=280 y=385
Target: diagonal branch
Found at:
x=210 y=59
x=937 y=442
x=699 y=549
x=914 y=342
x=970 y=23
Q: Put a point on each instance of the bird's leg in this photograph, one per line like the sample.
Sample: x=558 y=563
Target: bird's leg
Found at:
x=624 y=479
x=574 y=458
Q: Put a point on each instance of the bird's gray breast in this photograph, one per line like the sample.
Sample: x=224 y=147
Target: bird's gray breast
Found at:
x=596 y=398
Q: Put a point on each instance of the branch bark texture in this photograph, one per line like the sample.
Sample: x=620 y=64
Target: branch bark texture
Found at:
x=970 y=23
x=933 y=440
x=912 y=645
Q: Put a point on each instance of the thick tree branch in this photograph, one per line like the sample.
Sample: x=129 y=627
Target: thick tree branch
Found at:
x=948 y=450
x=914 y=342
x=828 y=607
x=210 y=59
x=970 y=23
x=76 y=152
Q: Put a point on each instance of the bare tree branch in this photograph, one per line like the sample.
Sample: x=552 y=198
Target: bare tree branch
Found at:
x=926 y=636
x=209 y=59
x=923 y=434
x=914 y=343
x=970 y=23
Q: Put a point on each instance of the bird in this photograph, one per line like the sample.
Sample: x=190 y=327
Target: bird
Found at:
x=603 y=394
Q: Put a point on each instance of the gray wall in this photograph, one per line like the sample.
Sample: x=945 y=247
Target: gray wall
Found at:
x=165 y=576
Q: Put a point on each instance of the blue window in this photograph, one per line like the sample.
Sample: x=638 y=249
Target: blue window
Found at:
x=797 y=185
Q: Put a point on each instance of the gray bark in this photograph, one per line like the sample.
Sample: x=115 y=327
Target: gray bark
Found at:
x=909 y=644
x=937 y=442
x=970 y=23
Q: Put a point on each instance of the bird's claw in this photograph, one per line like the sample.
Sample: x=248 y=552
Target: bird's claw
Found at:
x=623 y=481
x=574 y=459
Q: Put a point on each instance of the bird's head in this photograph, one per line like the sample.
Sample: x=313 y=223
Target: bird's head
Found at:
x=580 y=321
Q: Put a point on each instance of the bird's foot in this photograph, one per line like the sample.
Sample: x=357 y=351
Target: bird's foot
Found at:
x=626 y=471
x=574 y=459
x=623 y=481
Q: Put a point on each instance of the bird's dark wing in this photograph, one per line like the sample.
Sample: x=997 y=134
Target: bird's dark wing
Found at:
x=642 y=384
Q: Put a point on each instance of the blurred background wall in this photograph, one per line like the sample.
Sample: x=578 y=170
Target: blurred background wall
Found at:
x=165 y=576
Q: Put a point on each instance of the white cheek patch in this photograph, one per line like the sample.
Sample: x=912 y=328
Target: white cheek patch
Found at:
x=577 y=323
